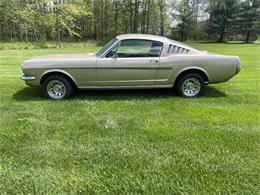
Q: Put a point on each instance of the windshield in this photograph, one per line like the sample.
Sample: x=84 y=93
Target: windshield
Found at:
x=182 y=44
x=108 y=45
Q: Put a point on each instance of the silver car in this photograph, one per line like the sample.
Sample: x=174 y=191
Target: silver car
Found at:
x=131 y=61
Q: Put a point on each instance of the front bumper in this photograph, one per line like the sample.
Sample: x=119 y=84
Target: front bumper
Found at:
x=27 y=78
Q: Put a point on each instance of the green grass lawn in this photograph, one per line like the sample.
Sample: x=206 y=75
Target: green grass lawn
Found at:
x=134 y=141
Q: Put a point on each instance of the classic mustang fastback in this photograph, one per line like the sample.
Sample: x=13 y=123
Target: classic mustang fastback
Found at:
x=131 y=61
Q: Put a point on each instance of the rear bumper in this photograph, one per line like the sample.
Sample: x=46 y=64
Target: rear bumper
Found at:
x=238 y=69
x=27 y=78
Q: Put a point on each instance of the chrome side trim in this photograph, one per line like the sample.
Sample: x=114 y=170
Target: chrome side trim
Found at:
x=125 y=87
x=27 y=78
x=121 y=67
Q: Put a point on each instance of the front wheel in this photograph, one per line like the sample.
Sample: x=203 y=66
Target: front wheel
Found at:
x=57 y=87
x=190 y=85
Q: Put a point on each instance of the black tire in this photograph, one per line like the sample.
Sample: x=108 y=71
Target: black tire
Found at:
x=190 y=85
x=59 y=85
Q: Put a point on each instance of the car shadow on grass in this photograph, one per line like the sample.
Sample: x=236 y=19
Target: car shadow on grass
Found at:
x=212 y=92
x=30 y=93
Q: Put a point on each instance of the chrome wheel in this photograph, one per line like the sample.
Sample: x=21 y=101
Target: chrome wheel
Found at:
x=191 y=87
x=56 y=89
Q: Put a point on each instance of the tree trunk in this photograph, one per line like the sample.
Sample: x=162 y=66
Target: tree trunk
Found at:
x=249 y=29
x=59 y=38
x=21 y=35
x=1 y=31
x=248 y=36
x=222 y=32
x=11 y=35
x=131 y=16
x=116 y=17
x=221 y=37
x=102 y=19
x=143 y=23
x=162 y=3
x=136 y=16
x=58 y=29
x=26 y=36
x=182 y=36
x=148 y=17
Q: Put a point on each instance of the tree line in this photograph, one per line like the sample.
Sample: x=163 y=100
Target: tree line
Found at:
x=60 y=20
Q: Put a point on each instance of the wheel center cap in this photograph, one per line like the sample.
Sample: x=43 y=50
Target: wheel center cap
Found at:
x=57 y=88
x=190 y=86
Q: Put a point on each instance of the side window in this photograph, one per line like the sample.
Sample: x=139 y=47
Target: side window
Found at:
x=139 y=48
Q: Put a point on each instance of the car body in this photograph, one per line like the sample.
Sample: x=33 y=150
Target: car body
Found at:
x=131 y=61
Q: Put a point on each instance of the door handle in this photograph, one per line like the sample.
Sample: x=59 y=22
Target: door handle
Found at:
x=154 y=61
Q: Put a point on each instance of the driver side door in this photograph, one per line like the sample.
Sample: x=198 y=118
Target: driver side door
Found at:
x=130 y=63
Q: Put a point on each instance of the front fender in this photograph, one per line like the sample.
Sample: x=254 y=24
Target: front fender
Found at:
x=53 y=71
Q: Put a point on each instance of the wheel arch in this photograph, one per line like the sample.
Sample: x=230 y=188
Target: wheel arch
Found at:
x=58 y=72
x=199 y=71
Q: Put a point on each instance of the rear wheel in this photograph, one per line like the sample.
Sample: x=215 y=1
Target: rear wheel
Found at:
x=190 y=85
x=57 y=87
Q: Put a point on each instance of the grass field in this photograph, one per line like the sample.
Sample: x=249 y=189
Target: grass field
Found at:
x=131 y=142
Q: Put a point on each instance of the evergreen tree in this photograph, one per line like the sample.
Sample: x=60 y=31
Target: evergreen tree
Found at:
x=222 y=15
x=248 y=17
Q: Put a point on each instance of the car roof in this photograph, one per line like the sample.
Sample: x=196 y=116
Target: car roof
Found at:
x=142 y=36
x=155 y=38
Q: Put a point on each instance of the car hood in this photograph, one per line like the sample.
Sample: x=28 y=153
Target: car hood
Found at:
x=60 y=61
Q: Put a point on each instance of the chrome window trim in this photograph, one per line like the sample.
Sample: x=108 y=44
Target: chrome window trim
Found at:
x=109 y=49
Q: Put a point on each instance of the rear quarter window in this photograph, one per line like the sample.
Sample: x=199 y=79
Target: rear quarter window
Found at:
x=173 y=49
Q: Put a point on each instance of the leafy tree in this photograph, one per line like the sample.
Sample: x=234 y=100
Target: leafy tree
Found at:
x=184 y=14
x=40 y=20
x=162 y=7
x=9 y=19
x=66 y=15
